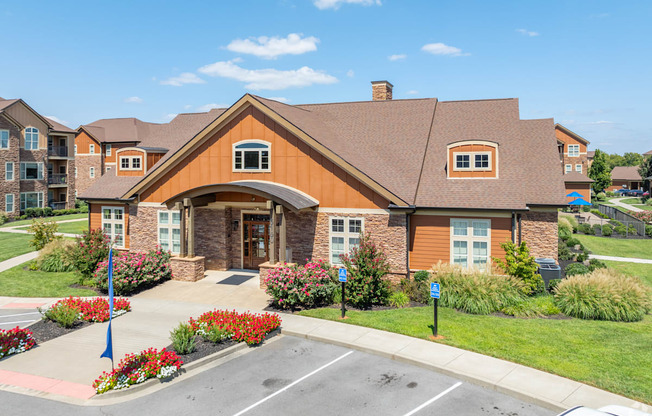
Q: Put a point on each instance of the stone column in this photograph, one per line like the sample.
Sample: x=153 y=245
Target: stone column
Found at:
x=183 y=252
x=191 y=226
x=282 y=234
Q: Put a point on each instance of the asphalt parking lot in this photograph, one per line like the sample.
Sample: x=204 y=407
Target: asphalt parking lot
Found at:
x=11 y=318
x=293 y=376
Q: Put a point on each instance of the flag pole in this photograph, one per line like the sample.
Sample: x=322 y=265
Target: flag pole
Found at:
x=108 y=352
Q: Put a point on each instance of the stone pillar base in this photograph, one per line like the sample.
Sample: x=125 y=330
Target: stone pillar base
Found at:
x=265 y=268
x=187 y=269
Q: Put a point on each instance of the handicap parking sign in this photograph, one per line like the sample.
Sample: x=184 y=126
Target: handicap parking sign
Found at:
x=434 y=290
x=342 y=275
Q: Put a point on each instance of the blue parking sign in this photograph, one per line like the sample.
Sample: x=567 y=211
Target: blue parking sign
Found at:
x=342 y=275
x=434 y=290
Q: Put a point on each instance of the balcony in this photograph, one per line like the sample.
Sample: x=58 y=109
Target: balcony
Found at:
x=58 y=151
x=58 y=179
x=58 y=205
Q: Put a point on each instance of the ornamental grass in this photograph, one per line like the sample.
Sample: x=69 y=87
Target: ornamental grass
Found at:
x=604 y=294
x=15 y=341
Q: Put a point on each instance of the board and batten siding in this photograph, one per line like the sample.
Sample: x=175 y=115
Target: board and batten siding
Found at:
x=430 y=238
x=83 y=142
x=293 y=163
x=27 y=118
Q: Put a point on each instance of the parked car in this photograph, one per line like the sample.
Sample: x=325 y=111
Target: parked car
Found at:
x=634 y=192
x=603 y=411
x=621 y=192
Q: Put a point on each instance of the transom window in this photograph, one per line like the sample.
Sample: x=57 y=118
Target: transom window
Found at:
x=169 y=231
x=344 y=236
x=470 y=242
x=573 y=150
x=4 y=139
x=113 y=224
x=131 y=163
x=472 y=161
x=31 y=138
x=251 y=156
x=31 y=170
x=31 y=200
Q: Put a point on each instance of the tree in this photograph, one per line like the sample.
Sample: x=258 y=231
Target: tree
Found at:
x=633 y=159
x=600 y=172
x=645 y=169
x=614 y=160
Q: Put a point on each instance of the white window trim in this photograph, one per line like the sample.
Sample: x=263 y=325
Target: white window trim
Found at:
x=12 y=170
x=170 y=227
x=75 y=149
x=31 y=133
x=130 y=162
x=75 y=171
x=39 y=200
x=346 y=235
x=8 y=138
x=91 y=172
x=23 y=171
x=113 y=222
x=569 y=168
x=13 y=203
x=260 y=156
x=470 y=239
x=91 y=149
x=578 y=168
x=471 y=167
x=108 y=150
x=573 y=153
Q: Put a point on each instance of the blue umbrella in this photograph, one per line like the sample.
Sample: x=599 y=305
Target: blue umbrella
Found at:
x=579 y=201
x=575 y=194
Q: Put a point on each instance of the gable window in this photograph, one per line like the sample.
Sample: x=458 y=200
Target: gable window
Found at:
x=92 y=172
x=344 y=236
x=91 y=149
x=31 y=138
x=4 y=139
x=169 y=231
x=470 y=242
x=31 y=170
x=9 y=202
x=108 y=150
x=31 y=200
x=9 y=171
x=578 y=168
x=472 y=161
x=131 y=163
x=569 y=168
x=251 y=156
x=113 y=224
x=75 y=149
x=573 y=150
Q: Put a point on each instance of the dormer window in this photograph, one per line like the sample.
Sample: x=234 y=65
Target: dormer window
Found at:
x=251 y=156
x=473 y=159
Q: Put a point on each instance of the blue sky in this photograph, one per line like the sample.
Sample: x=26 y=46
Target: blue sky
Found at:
x=587 y=64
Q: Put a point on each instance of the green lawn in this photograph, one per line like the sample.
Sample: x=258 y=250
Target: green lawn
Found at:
x=56 y=219
x=608 y=355
x=76 y=227
x=19 y=282
x=631 y=201
x=644 y=207
x=644 y=271
x=12 y=245
x=617 y=247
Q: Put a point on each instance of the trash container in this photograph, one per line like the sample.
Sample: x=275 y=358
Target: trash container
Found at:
x=548 y=269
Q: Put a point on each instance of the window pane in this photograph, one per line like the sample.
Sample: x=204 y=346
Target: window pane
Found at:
x=163 y=217
x=124 y=163
x=107 y=229
x=481 y=161
x=337 y=244
x=355 y=226
x=251 y=160
x=31 y=171
x=164 y=238
x=480 y=253
x=117 y=214
x=176 y=218
x=238 y=159
x=480 y=229
x=176 y=240
x=4 y=139
x=337 y=225
x=460 y=248
x=135 y=163
x=353 y=242
x=460 y=227
x=264 y=159
x=251 y=146
x=463 y=161
x=106 y=214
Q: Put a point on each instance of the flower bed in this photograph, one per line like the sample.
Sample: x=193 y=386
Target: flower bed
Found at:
x=14 y=341
x=132 y=271
x=248 y=327
x=96 y=309
x=136 y=368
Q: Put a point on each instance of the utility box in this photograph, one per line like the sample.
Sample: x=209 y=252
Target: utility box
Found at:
x=548 y=269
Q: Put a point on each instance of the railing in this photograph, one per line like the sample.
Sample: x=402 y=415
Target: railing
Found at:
x=58 y=205
x=58 y=151
x=625 y=218
x=57 y=179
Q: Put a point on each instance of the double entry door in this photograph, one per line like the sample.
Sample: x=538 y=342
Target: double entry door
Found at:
x=255 y=240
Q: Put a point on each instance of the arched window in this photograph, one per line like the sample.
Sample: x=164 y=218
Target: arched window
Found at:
x=31 y=138
x=251 y=156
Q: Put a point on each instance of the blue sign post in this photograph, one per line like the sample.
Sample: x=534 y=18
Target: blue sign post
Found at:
x=434 y=293
x=342 y=276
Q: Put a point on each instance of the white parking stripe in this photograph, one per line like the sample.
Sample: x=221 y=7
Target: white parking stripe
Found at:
x=439 y=396
x=292 y=384
x=19 y=314
x=15 y=322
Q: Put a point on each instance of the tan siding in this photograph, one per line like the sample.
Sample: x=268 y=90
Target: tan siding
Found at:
x=83 y=142
x=27 y=118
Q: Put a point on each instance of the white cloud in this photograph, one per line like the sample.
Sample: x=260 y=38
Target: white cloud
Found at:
x=270 y=48
x=442 y=49
x=350 y=73
x=134 y=99
x=187 y=107
x=412 y=92
x=184 y=78
x=527 y=32
x=208 y=107
x=279 y=99
x=57 y=119
x=397 y=57
x=268 y=79
x=335 y=4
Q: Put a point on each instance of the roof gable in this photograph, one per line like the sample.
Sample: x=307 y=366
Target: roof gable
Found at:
x=571 y=134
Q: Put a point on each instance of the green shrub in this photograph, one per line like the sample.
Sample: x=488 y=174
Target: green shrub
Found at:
x=601 y=196
x=616 y=223
x=417 y=291
x=564 y=253
x=572 y=242
x=533 y=307
x=183 y=339
x=518 y=263
x=552 y=284
x=477 y=292
x=61 y=313
x=586 y=229
x=620 y=229
x=54 y=256
x=575 y=268
x=607 y=230
x=604 y=294
x=582 y=257
x=596 y=264
x=631 y=230
x=421 y=276
x=648 y=230
x=44 y=232
x=23 y=217
x=649 y=201
x=309 y=286
x=47 y=211
x=564 y=228
x=367 y=265
x=399 y=299
x=596 y=228
x=3 y=218
x=83 y=210
x=610 y=193
x=216 y=334
x=29 y=212
x=586 y=208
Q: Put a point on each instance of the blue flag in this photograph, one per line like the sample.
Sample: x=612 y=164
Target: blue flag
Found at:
x=108 y=353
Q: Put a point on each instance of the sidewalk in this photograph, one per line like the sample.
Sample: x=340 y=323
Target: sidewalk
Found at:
x=64 y=368
x=15 y=261
x=626 y=206
x=623 y=259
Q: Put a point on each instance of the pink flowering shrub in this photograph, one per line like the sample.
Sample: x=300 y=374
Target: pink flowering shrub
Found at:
x=91 y=248
x=248 y=327
x=306 y=286
x=645 y=216
x=136 y=368
x=14 y=341
x=133 y=270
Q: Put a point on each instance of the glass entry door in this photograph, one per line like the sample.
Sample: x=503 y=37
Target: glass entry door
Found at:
x=255 y=241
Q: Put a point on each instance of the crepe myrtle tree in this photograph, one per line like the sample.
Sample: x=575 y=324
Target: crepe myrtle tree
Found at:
x=600 y=172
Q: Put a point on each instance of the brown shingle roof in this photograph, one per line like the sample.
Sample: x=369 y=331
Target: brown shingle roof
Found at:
x=577 y=177
x=648 y=153
x=121 y=129
x=626 y=173
x=109 y=186
x=59 y=127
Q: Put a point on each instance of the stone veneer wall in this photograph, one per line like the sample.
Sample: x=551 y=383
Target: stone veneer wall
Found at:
x=212 y=234
x=539 y=231
x=70 y=198
x=83 y=164
x=143 y=227
x=187 y=269
x=11 y=154
x=38 y=156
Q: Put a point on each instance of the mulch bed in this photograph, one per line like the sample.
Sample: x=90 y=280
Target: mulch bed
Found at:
x=45 y=330
x=94 y=289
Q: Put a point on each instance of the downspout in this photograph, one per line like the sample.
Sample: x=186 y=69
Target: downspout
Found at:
x=520 y=230
x=513 y=227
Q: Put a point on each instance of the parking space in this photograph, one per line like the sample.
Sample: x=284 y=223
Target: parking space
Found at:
x=11 y=318
x=293 y=376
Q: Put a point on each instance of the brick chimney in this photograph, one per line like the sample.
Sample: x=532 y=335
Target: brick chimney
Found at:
x=381 y=90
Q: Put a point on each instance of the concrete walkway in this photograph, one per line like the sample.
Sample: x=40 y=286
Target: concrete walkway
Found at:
x=617 y=201
x=15 y=261
x=623 y=259
x=63 y=368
